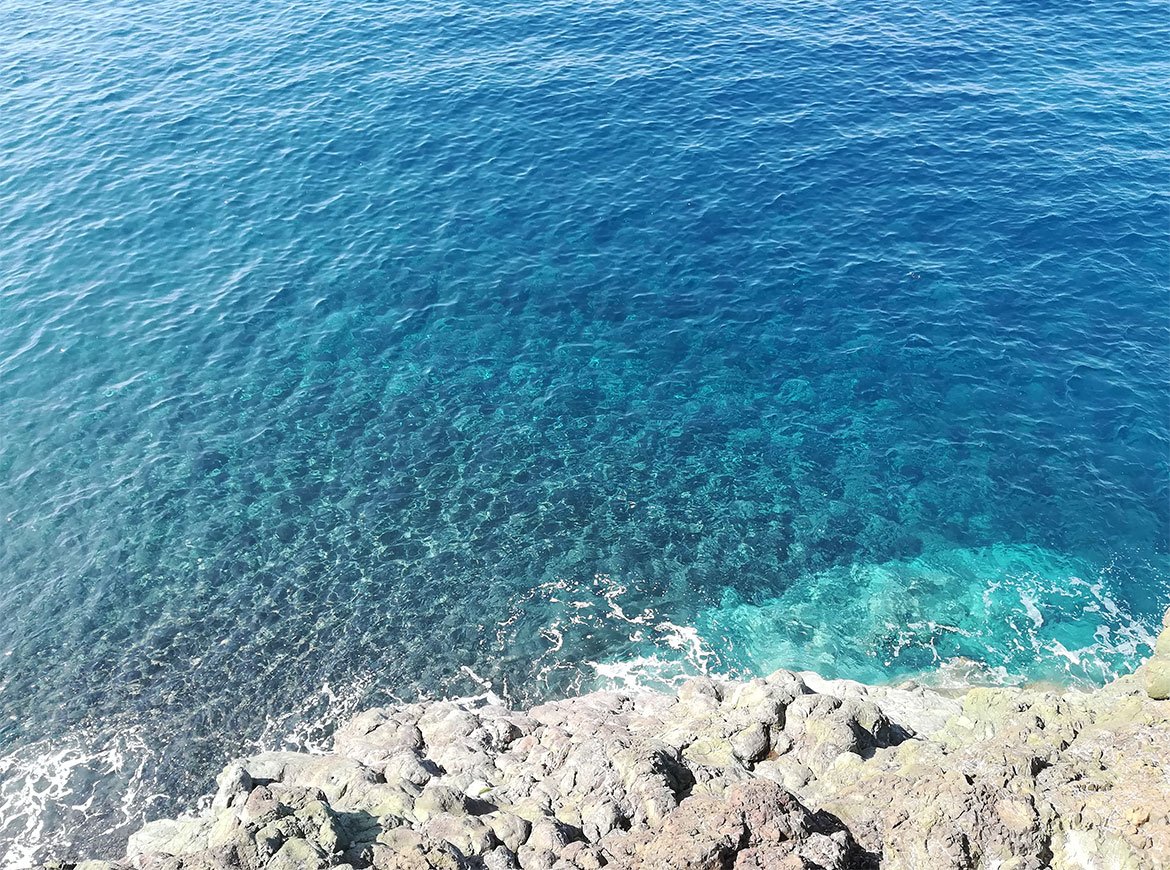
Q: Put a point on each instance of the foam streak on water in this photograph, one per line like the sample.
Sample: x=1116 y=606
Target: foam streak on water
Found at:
x=393 y=348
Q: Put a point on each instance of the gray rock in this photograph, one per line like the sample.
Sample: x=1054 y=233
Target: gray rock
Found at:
x=720 y=776
x=599 y=817
x=501 y=858
x=466 y=833
x=169 y=837
x=297 y=854
x=549 y=835
x=234 y=784
x=1158 y=677
x=437 y=799
x=751 y=743
x=510 y=829
x=537 y=859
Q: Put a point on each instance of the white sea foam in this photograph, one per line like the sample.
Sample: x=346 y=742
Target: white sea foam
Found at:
x=308 y=726
x=1000 y=615
x=53 y=785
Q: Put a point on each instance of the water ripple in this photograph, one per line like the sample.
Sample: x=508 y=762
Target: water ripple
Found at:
x=348 y=351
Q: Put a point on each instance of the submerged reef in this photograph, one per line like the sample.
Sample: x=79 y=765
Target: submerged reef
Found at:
x=786 y=772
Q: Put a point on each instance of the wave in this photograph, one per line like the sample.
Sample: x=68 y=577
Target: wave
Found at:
x=73 y=783
x=1004 y=614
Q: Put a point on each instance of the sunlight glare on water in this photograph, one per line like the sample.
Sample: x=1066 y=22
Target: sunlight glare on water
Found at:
x=372 y=350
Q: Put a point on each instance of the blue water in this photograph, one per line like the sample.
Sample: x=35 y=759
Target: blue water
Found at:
x=352 y=351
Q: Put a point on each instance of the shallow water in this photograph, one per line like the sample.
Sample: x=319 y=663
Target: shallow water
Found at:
x=357 y=351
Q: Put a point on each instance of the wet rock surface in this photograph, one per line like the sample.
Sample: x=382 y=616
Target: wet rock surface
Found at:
x=790 y=771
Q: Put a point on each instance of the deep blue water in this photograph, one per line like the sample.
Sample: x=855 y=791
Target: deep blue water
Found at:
x=360 y=350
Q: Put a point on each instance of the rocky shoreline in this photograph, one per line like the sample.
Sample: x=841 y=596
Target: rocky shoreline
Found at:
x=792 y=771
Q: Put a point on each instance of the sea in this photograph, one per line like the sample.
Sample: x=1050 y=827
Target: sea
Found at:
x=354 y=352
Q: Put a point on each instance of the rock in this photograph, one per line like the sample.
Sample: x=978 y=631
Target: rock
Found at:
x=549 y=835
x=764 y=702
x=750 y=744
x=331 y=774
x=700 y=694
x=501 y=858
x=723 y=775
x=466 y=833
x=169 y=837
x=1162 y=644
x=599 y=817
x=234 y=784
x=297 y=854
x=511 y=830
x=403 y=766
x=1158 y=678
x=788 y=772
x=710 y=749
x=756 y=824
x=537 y=859
x=437 y=799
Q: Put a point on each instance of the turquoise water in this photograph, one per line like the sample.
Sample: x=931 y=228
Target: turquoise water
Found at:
x=368 y=350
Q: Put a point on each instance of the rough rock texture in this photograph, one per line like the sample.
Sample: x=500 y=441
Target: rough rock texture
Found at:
x=791 y=771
